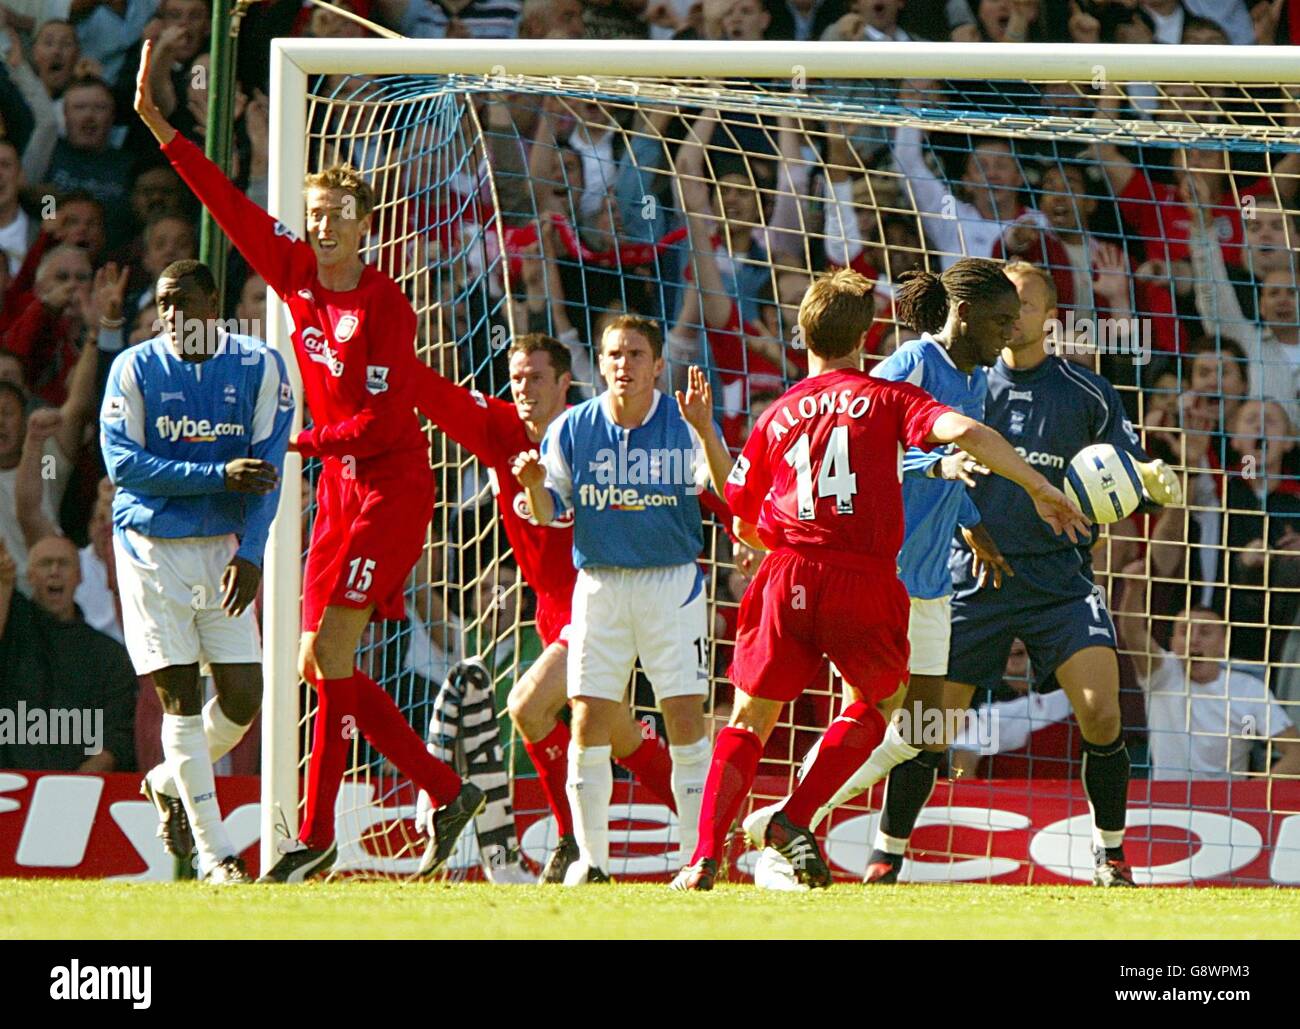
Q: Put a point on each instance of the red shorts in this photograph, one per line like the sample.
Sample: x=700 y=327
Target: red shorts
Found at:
x=369 y=532
x=797 y=610
x=553 y=616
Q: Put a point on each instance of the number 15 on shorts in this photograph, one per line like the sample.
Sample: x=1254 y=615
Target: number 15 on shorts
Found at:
x=361 y=572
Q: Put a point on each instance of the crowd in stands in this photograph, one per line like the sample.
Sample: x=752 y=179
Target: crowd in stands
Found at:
x=712 y=223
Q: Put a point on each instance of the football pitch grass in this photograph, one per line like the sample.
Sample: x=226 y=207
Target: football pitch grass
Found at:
x=86 y=909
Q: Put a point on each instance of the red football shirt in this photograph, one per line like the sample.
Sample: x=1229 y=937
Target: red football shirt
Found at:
x=491 y=430
x=824 y=466
x=355 y=348
x=1164 y=224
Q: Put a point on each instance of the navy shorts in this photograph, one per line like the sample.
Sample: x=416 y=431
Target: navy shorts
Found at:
x=1051 y=603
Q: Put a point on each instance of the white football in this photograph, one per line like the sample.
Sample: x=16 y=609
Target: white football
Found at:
x=1104 y=483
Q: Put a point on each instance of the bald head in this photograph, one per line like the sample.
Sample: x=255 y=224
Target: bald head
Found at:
x=54 y=571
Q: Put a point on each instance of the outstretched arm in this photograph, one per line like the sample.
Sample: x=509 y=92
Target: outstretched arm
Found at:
x=715 y=304
x=1132 y=622
x=265 y=243
x=989 y=448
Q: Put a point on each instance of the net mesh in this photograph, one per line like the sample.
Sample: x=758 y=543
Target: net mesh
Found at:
x=513 y=203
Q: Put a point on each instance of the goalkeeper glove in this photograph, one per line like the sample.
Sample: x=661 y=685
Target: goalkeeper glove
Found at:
x=1161 y=483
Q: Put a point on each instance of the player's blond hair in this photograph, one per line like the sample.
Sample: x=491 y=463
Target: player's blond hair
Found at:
x=835 y=312
x=1031 y=271
x=346 y=178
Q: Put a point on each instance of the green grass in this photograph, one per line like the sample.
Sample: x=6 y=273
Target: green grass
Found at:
x=86 y=909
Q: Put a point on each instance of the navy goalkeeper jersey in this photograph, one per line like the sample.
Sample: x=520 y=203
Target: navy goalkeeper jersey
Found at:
x=1048 y=413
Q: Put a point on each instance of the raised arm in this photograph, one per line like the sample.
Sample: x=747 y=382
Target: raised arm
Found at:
x=267 y=246
x=715 y=303
x=843 y=237
x=29 y=477
x=459 y=413
x=788 y=228
x=696 y=407
x=1132 y=620
x=1117 y=168
x=1216 y=300
x=45 y=133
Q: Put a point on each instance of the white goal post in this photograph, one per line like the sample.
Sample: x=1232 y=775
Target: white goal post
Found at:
x=294 y=61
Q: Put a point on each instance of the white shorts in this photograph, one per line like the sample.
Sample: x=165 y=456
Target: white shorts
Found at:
x=657 y=614
x=171 y=603
x=929 y=630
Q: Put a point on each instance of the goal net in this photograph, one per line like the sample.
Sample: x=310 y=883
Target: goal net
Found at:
x=549 y=188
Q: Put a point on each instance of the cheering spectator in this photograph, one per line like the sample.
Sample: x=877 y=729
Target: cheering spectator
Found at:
x=167 y=238
x=1272 y=343
x=56 y=55
x=1202 y=715
x=450 y=19
x=17 y=229
x=1099 y=270
x=551 y=19
x=37 y=456
x=875 y=21
x=55 y=663
x=96 y=593
x=996 y=21
x=1263 y=532
x=801 y=19
x=85 y=159
x=989 y=217
x=46 y=335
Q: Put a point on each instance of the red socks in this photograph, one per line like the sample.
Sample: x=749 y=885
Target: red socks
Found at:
x=336 y=699
x=731 y=776
x=847 y=744
x=379 y=718
x=651 y=764
x=384 y=725
x=550 y=757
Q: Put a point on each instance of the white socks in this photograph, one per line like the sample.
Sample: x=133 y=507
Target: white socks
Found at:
x=590 y=786
x=223 y=736
x=185 y=752
x=892 y=750
x=690 y=770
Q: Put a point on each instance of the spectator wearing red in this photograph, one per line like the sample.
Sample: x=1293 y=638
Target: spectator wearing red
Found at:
x=47 y=333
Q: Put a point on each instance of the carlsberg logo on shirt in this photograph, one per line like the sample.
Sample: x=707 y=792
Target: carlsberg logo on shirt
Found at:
x=190 y=430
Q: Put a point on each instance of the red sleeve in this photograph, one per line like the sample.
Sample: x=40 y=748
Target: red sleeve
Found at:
x=918 y=411
x=751 y=478
x=34 y=326
x=461 y=414
x=267 y=246
x=1137 y=198
x=384 y=418
x=25 y=280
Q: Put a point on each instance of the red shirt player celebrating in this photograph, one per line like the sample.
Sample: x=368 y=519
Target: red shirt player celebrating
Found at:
x=354 y=335
x=495 y=431
x=819 y=485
